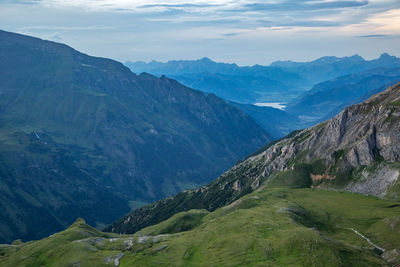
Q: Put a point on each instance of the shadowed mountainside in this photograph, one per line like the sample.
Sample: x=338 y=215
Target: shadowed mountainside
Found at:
x=84 y=136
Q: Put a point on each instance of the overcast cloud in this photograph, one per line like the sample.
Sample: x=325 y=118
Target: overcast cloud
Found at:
x=245 y=32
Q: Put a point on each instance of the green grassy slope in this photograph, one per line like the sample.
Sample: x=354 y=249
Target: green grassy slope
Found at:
x=269 y=227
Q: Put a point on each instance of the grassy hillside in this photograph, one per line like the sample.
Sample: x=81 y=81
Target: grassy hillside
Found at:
x=270 y=227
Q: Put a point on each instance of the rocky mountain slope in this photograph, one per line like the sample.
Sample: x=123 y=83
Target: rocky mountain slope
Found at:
x=358 y=150
x=84 y=136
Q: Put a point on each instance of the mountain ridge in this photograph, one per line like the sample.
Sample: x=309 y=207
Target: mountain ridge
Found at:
x=326 y=99
x=357 y=150
x=102 y=134
x=328 y=67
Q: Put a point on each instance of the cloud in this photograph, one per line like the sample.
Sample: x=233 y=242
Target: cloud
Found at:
x=311 y=23
x=292 y=5
x=155 y=29
x=182 y=5
x=67 y=28
x=195 y=5
x=230 y=34
x=128 y=5
x=378 y=36
x=23 y=2
x=243 y=14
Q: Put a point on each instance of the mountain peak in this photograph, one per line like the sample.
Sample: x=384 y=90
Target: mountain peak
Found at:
x=206 y=60
x=357 y=57
x=79 y=221
x=327 y=59
x=146 y=75
x=386 y=56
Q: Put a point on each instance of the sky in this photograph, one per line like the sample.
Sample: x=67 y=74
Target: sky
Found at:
x=245 y=32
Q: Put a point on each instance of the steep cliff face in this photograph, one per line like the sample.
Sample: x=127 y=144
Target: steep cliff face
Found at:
x=361 y=135
x=358 y=150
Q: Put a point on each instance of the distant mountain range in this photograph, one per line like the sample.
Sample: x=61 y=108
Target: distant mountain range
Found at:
x=326 y=68
x=281 y=81
x=84 y=136
x=229 y=81
x=335 y=83
x=326 y=99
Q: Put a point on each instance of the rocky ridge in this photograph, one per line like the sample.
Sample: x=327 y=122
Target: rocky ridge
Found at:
x=358 y=136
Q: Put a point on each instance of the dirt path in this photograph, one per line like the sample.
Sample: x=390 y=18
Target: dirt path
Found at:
x=367 y=239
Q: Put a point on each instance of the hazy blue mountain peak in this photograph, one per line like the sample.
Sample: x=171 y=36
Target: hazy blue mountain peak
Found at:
x=206 y=59
x=386 y=58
